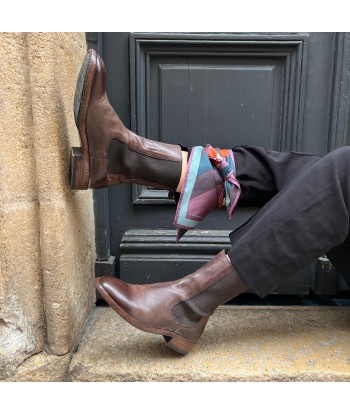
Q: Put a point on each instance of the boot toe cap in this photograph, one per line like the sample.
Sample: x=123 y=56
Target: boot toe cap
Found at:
x=114 y=291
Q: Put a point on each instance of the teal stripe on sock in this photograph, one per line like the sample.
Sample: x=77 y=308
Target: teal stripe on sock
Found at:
x=191 y=179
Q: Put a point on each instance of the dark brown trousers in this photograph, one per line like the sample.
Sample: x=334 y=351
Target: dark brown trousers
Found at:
x=305 y=208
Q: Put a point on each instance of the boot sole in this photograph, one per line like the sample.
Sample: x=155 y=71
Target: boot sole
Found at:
x=173 y=340
x=79 y=158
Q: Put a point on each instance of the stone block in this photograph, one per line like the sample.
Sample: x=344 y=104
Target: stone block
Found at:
x=43 y=367
x=66 y=216
x=239 y=344
x=17 y=164
x=68 y=270
x=21 y=294
x=46 y=230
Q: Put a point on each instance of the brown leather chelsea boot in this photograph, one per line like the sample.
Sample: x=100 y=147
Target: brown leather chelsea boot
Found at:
x=179 y=310
x=110 y=153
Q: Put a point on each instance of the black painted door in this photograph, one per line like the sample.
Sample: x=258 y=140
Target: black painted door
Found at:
x=285 y=91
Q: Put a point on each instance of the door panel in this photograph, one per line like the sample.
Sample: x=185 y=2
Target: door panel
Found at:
x=278 y=91
x=214 y=105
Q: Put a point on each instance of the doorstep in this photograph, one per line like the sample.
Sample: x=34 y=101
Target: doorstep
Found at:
x=238 y=344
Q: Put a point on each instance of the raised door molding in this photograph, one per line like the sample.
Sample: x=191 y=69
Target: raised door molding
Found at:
x=184 y=85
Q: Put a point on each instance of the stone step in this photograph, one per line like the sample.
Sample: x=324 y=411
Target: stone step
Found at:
x=239 y=344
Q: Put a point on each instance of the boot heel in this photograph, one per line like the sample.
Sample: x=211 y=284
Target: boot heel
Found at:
x=79 y=169
x=180 y=345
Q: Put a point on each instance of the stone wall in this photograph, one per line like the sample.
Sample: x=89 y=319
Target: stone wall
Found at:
x=47 y=247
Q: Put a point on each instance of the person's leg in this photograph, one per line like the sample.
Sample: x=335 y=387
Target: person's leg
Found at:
x=262 y=174
x=306 y=219
x=110 y=153
x=179 y=310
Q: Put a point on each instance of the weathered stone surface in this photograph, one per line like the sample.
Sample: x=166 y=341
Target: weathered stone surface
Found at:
x=21 y=295
x=66 y=217
x=239 y=344
x=69 y=294
x=46 y=229
x=22 y=312
x=42 y=367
